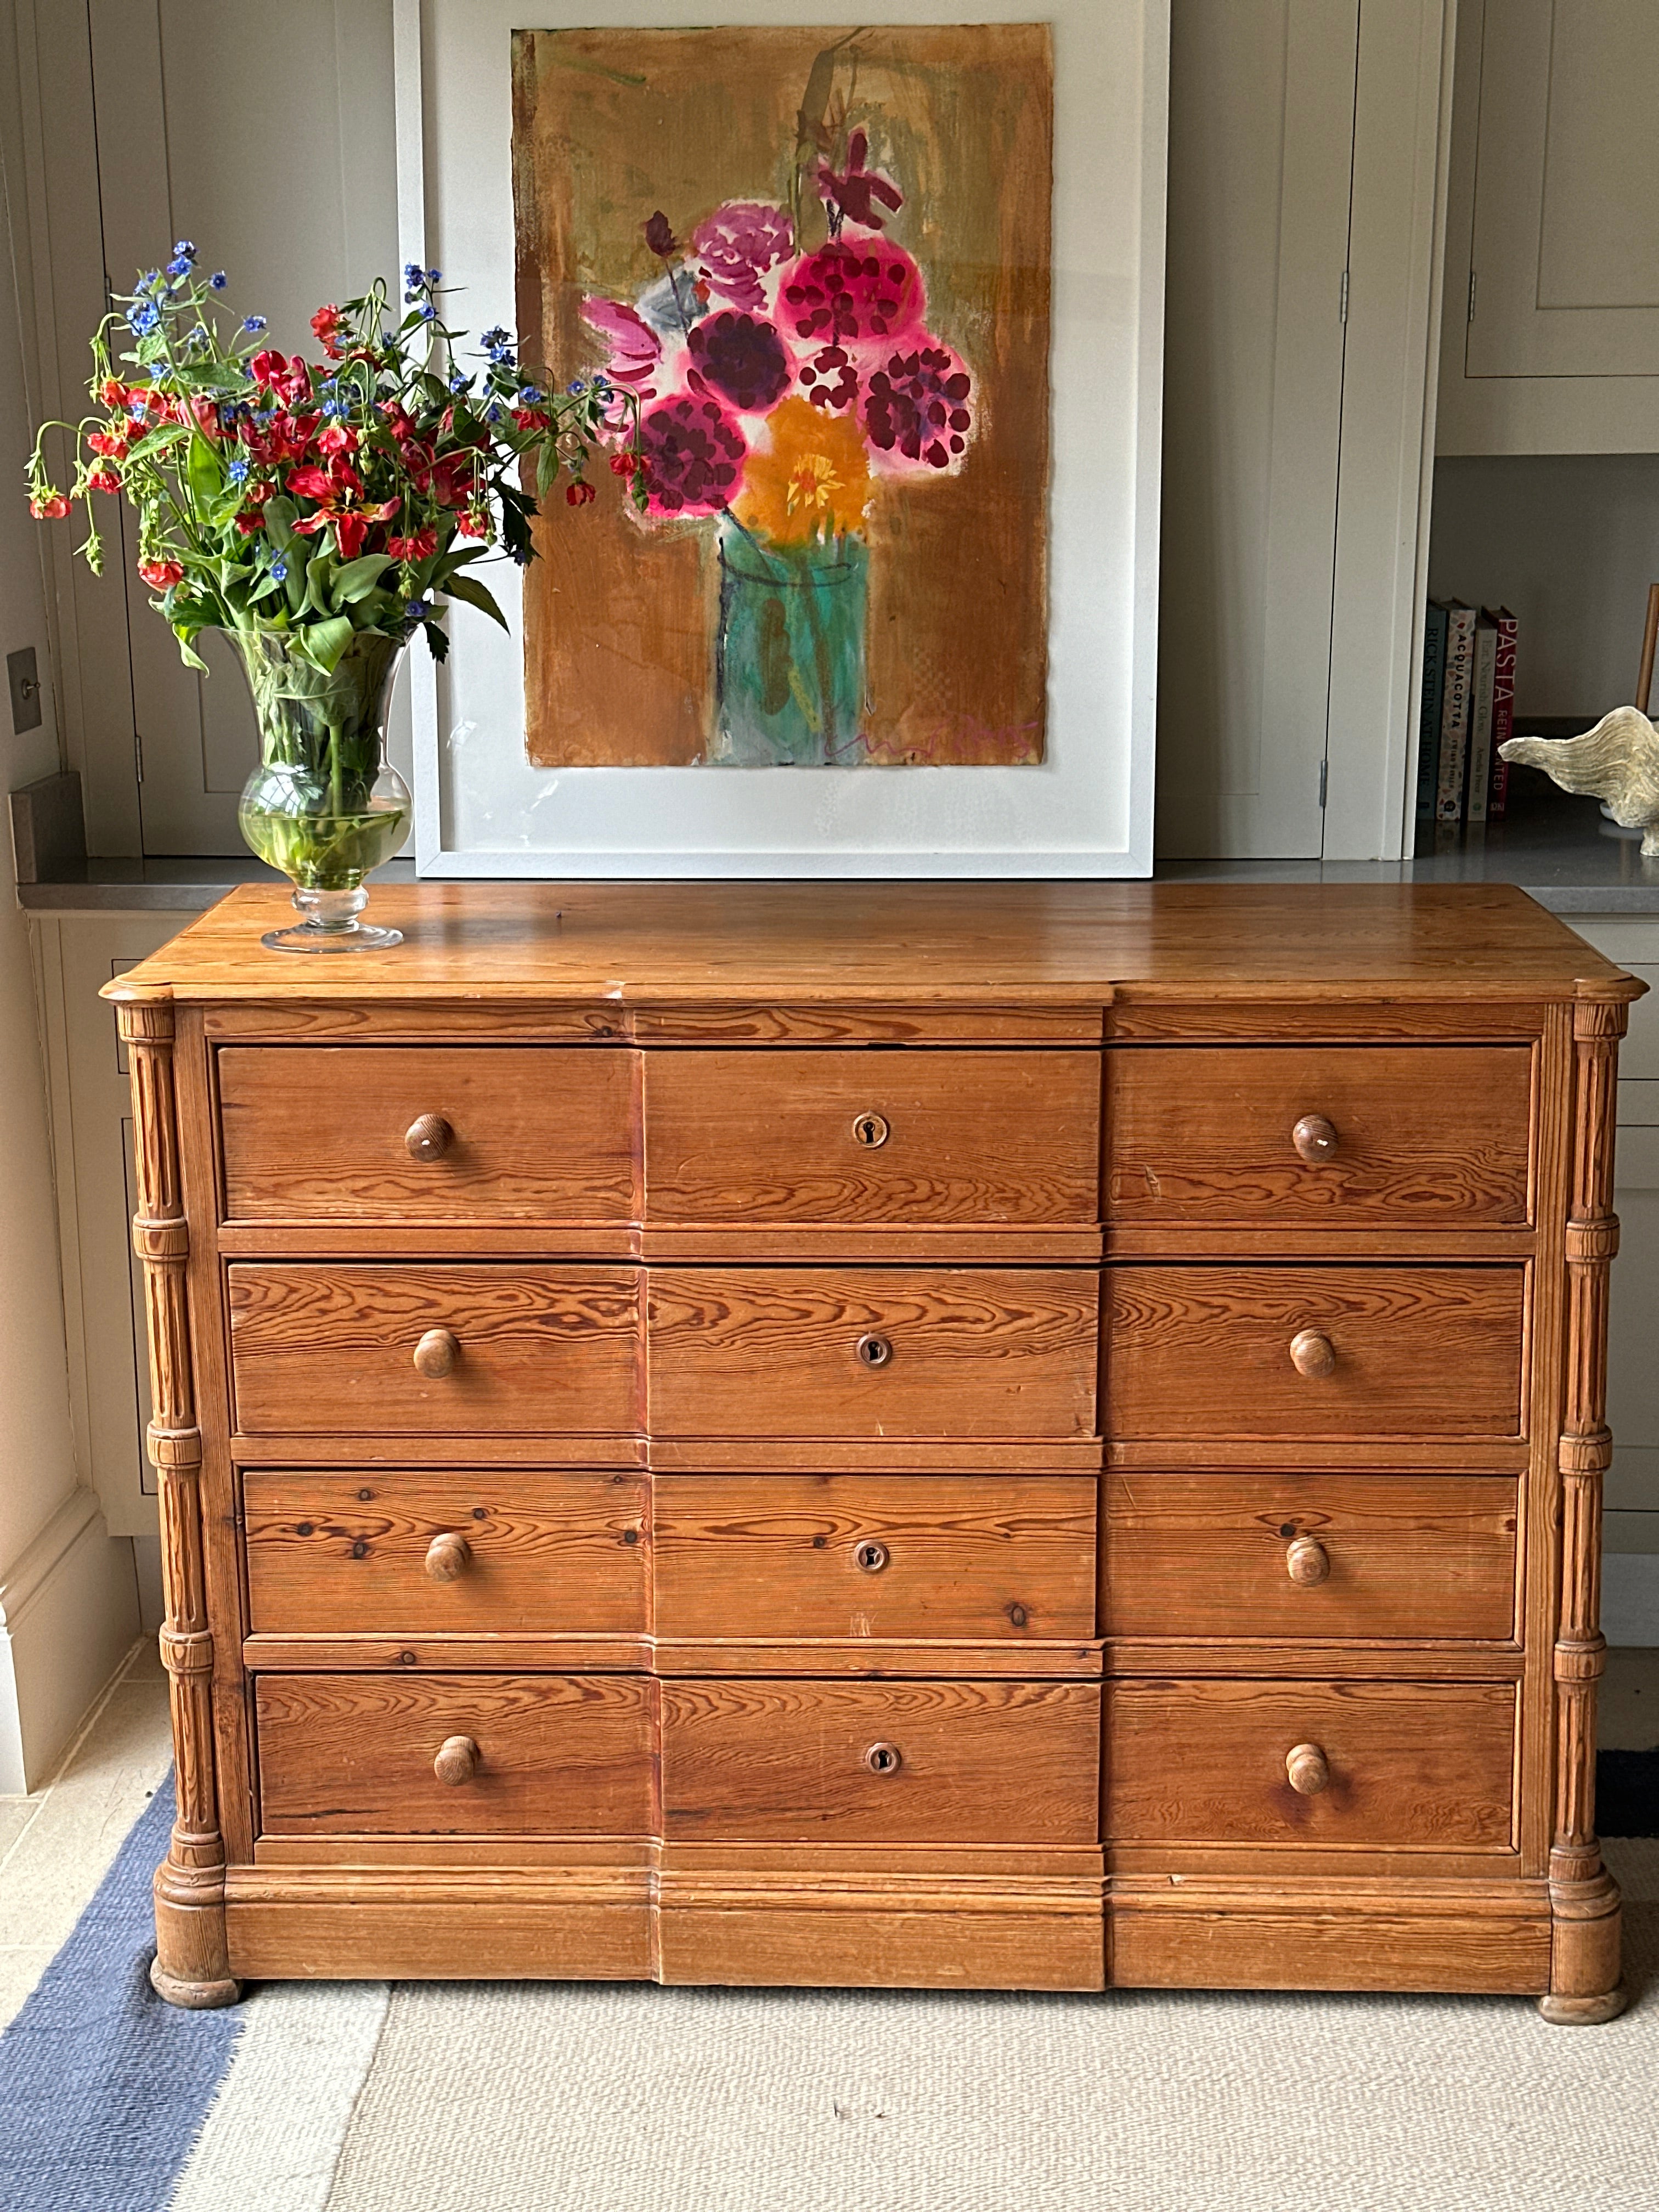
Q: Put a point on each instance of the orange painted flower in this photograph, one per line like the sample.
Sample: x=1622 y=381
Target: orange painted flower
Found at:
x=811 y=481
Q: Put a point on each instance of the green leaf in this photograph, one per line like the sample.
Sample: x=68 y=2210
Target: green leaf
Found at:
x=280 y=514
x=202 y=473
x=324 y=641
x=184 y=632
x=437 y=643
x=476 y=595
x=547 y=469
x=317 y=579
x=359 y=577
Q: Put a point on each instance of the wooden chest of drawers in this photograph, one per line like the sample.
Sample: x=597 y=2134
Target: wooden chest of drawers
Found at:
x=1042 y=1437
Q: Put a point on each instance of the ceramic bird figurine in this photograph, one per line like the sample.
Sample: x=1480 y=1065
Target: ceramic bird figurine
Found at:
x=1618 y=760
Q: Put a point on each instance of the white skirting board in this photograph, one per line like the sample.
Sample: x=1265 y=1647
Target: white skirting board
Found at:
x=68 y=1614
x=1630 y=1599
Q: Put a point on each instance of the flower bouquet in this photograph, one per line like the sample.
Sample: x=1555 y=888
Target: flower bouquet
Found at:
x=319 y=513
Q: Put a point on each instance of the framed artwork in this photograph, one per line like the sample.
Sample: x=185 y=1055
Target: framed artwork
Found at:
x=887 y=301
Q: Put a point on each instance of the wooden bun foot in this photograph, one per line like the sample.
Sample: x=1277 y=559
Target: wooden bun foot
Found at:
x=193 y=1997
x=1583 y=2012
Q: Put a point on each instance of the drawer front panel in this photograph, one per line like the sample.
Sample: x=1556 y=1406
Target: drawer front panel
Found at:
x=881 y=1762
x=1384 y=1351
x=1416 y=1765
x=354 y=1754
x=875 y=1556
x=328 y=1133
x=1366 y=1557
x=400 y=1553
x=893 y=1352
x=889 y=1137
x=1414 y=1137
x=330 y=1349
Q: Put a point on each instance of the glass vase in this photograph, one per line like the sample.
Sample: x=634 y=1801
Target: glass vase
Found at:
x=324 y=805
x=789 y=654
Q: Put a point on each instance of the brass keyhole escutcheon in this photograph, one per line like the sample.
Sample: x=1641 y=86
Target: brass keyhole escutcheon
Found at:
x=874 y=1351
x=870 y=1130
x=870 y=1557
x=883 y=1758
x=427 y=1138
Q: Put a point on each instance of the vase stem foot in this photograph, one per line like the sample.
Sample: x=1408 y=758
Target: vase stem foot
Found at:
x=330 y=925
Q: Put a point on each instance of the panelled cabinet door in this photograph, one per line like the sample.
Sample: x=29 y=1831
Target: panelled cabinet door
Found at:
x=1566 y=220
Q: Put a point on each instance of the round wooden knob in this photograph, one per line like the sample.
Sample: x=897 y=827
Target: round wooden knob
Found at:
x=874 y=1351
x=1308 y=1772
x=428 y=1137
x=436 y=1353
x=883 y=1758
x=1307 y=1561
x=1315 y=1139
x=457 y=1760
x=870 y=1130
x=446 y=1555
x=1312 y=1354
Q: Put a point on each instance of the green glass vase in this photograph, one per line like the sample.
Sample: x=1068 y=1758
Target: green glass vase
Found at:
x=324 y=806
x=789 y=676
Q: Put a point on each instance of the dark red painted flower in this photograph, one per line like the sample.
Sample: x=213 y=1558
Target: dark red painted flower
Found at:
x=829 y=380
x=918 y=407
x=741 y=358
x=852 y=295
x=692 y=454
x=853 y=195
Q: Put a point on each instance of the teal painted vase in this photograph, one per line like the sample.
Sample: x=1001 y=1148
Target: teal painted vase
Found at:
x=789 y=652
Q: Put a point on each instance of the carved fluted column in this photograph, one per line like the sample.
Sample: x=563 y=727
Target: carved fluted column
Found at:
x=1584 y=1896
x=192 y=1966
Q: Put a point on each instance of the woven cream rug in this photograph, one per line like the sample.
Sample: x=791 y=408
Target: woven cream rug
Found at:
x=571 y=2098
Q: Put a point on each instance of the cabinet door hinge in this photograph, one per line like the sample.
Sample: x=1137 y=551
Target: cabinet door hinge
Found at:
x=1342 y=305
x=1471 y=296
x=1324 y=775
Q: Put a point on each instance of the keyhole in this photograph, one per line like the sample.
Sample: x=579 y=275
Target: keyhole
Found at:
x=872 y=1558
x=883 y=1758
x=870 y=1130
x=874 y=1351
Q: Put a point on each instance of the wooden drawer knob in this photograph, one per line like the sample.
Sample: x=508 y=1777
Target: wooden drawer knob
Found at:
x=428 y=1138
x=883 y=1758
x=1315 y=1139
x=436 y=1353
x=874 y=1351
x=446 y=1555
x=1307 y=1561
x=1306 y=1766
x=870 y=1130
x=457 y=1760
x=1312 y=1354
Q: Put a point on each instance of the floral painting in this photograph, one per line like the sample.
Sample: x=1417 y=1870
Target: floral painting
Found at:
x=814 y=266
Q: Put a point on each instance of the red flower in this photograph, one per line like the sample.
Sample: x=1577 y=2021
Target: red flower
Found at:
x=110 y=443
x=114 y=393
x=421 y=547
x=104 y=480
x=289 y=380
x=530 y=418
x=580 y=493
x=250 y=518
x=284 y=438
x=327 y=323
x=338 y=438
x=454 y=478
x=161 y=573
x=473 y=524
x=624 y=464
x=51 y=506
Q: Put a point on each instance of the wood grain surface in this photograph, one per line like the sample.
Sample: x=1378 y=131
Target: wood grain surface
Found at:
x=751 y=1351
x=536 y=1134
x=787 y=1556
x=982 y=1762
x=1415 y=1765
x=1407 y=1556
x=1428 y=1136
x=765 y=1139
x=330 y=1553
x=352 y=1754
x=1419 y=1352
x=331 y=1348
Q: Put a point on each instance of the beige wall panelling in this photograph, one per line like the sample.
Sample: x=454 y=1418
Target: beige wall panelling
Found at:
x=92 y=1145
x=1553 y=250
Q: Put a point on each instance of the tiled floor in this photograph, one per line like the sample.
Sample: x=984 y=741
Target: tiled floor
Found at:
x=56 y=1844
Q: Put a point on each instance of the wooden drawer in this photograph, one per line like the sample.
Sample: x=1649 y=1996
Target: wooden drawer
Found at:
x=320 y=1134
x=767 y=1137
x=1413 y=1351
x=322 y=1350
x=881 y=1762
x=1369 y=1556
x=875 y=1556
x=352 y=1754
x=980 y=1352
x=1413 y=1766
x=1433 y=1137
x=401 y=1552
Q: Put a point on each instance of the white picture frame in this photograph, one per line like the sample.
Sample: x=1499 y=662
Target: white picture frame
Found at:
x=483 y=810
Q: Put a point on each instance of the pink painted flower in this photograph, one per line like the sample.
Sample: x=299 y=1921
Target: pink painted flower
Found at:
x=692 y=454
x=852 y=295
x=830 y=379
x=741 y=357
x=636 y=348
x=918 y=406
x=738 y=245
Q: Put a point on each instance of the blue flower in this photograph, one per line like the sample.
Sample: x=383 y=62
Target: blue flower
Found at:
x=459 y=382
x=413 y=273
x=576 y=388
x=142 y=319
x=150 y=280
x=137 y=409
x=602 y=384
x=492 y=413
x=520 y=555
x=418 y=610
x=179 y=267
x=218 y=280
x=528 y=396
x=495 y=338
x=236 y=471
x=185 y=249
x=428 y=313
x=254 y=324
x=410 y=298
x=434 y=275
x=279 y=569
